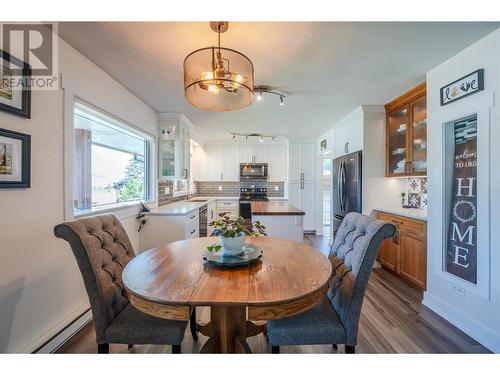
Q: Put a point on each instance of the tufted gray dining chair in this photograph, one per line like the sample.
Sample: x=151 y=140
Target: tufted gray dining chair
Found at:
x=335 y=319
x=102 y=249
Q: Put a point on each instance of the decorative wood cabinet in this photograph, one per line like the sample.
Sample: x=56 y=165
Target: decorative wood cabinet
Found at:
x=406 y=253
x=406 y=134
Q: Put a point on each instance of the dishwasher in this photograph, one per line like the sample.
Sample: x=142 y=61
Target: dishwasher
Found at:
x=203 y=221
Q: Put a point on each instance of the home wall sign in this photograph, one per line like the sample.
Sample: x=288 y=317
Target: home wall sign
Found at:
x=461 y=255
x=463 y=87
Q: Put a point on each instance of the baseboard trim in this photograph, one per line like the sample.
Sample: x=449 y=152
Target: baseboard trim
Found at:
x=474 y=329
x=38 y=344
x=65 y=334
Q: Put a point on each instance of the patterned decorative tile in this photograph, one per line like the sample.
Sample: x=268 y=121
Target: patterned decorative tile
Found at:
x=414 y=200
x=423 y=185
x=423 y=201
x=414 y=185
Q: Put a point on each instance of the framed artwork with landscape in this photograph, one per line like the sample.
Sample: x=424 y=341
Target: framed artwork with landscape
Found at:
x=15 y=91
x=15 y=155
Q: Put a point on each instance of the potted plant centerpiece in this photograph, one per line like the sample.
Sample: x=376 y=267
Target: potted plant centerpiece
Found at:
x=232 y=233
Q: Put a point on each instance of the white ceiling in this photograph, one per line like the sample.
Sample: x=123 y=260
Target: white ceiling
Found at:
x=328 y=68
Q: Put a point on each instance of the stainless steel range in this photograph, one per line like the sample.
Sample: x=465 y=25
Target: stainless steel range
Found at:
x=253 y=194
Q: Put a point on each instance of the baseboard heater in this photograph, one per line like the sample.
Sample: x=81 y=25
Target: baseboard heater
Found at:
x=65 y=334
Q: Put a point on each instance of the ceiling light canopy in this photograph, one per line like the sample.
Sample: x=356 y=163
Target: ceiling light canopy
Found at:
x=218 y=79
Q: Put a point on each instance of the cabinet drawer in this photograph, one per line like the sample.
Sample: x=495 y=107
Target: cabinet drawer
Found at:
x=192 y=230
x=404 y=224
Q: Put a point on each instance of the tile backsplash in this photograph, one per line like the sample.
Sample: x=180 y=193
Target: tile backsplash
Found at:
x=416 y=192
x=163 y=196
x=233 y=187
x=229 y=188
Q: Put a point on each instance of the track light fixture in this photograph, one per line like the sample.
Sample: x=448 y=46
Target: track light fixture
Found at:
x=260 y=90
x=260 y=137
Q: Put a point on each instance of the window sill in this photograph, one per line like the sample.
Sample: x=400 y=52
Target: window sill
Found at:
x=123 y=208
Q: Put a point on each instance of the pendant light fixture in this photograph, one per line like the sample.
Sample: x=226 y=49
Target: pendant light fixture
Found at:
x=218 y=79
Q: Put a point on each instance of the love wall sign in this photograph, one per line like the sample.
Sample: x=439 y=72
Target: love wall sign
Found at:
x=470 y=84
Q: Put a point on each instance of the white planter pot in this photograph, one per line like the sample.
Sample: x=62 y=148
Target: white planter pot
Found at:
x=232 y=245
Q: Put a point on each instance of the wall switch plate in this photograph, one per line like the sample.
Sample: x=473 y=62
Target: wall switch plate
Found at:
x=167 y=190
x=458 y=290
x=276 y=188
x=220 y=188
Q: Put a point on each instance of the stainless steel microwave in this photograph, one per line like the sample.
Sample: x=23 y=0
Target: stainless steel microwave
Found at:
x=253 y=171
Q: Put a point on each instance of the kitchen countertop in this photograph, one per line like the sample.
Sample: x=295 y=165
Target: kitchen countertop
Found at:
x=184 y=207
x=413 y=213
x=275 y=208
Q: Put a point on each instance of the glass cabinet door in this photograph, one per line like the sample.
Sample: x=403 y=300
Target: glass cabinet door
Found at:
x=419 y=135
x=167 y=154
x=396 y=135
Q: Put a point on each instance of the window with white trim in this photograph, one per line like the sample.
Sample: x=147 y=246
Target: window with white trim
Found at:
x=111 y=161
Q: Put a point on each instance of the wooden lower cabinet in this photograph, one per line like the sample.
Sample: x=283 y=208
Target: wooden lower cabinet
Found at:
x=406 y=253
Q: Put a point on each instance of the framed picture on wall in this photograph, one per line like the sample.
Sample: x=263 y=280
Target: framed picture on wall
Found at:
x=15 y=155
x=15 y=91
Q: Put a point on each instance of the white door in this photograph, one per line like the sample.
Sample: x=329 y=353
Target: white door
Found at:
x=308 y=205
x=276 y=159
x=230 y=165
x=295 y=161
x=214 y=163
x=246 y=154
x=259 y=153
x=309 y=160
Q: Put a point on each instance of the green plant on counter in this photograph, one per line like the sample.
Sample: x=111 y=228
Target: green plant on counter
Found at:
x=230 y=228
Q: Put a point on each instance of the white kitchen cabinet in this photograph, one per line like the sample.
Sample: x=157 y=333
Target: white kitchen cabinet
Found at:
x=349 y=137
x=295 y=158
x=230 y=167
x=253 y=154
x=198 y=169
x=174 y=148
x=211 y=216
x=213 y=163
x=308 y=205
x=162 y=229
x=302 y=189
x=276 y=159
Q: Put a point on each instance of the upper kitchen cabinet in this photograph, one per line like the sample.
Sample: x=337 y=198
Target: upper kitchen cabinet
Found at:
x=222 y=163
x=349 y=134
x=276 y=159
x=253 y=154
x=174 y=146
x=406 y=134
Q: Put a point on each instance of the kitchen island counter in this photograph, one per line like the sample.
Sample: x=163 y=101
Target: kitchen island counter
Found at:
x=275 y=209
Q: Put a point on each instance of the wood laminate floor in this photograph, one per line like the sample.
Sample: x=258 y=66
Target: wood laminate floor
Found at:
x=393 y=320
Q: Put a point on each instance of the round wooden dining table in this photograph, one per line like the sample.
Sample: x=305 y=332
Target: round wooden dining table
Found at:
x=168 y=281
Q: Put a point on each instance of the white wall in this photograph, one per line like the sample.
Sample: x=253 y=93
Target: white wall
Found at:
x=41 y=289
x=477 y=316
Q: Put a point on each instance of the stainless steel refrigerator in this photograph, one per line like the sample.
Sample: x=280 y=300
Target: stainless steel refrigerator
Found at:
x=346 y=187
